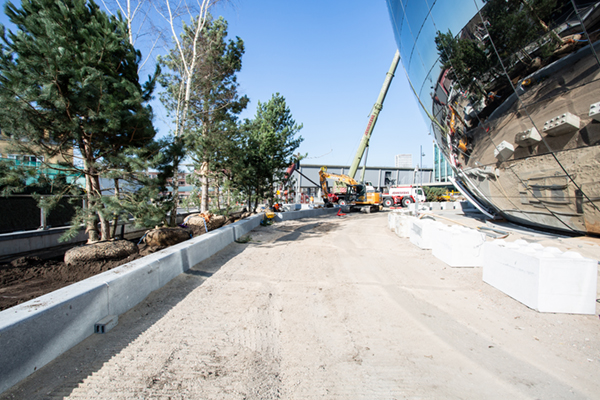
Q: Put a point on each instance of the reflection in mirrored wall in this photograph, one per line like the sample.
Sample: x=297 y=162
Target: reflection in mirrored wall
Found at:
x=511 y=91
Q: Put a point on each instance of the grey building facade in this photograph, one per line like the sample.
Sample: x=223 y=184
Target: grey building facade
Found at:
x=380 y=177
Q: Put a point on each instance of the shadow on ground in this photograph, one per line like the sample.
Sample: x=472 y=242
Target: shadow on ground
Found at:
x=58 y=378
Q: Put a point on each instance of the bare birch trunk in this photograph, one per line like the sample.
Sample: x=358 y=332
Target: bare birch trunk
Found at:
x=189 y=65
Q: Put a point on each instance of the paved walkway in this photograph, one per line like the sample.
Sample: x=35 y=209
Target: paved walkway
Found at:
x=333 y=308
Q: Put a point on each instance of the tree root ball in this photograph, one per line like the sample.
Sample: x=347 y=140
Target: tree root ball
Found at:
x=196 y=222
x=166 y=236
x=110 y=250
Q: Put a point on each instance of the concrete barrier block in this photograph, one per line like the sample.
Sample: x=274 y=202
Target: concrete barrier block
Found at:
x=423 y=232
x=304 y=213
x=504 y=151
x=528 y=137
x=543 y=278
x=292 y=207
x=562 y=124
x=202 y=247
x=404 y=224
x=129 y=284
x=595 y=111
x=35 y=332
x=242 y=227
x=392 y=218
x=459 y=246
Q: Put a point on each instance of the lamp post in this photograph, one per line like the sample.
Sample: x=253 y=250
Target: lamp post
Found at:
x=421 y=163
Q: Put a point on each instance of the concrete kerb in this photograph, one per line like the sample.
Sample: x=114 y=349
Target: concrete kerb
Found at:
x=34 y=333
x=305 y=213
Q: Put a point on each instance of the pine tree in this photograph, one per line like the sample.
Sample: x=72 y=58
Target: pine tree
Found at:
x=69 y=86
x=266 y=149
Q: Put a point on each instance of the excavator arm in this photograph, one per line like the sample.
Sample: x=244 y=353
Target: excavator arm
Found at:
x=356 y=191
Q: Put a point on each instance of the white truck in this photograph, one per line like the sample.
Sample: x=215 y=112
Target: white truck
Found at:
x=403 y=195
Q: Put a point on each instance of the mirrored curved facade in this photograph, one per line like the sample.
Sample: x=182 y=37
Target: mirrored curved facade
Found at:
x=511 y=91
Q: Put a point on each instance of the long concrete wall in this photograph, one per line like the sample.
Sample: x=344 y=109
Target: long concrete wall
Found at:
x=34 y=333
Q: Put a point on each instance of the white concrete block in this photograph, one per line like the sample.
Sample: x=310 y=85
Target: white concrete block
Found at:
x=562 y=124
x=528 y=137
x=392 y=221
x=503 y=151
x=423 y=232
x=459 y=246
x=542 y=278
x=595 y=111
x=292 y=207
x=403 y=225
x=394 y=215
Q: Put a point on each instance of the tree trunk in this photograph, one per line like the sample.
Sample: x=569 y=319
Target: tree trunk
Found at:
x=175 y=192
x=116 y=218
x=92 y=223
x=204 y=180
x=218 y=194
x=104 y=223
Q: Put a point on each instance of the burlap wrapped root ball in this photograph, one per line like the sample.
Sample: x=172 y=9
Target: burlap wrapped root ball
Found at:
x=166 y=236
x=196 y=222
x=109 y=250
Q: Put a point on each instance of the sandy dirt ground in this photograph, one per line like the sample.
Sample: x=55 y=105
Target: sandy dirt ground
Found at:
x=333 y=308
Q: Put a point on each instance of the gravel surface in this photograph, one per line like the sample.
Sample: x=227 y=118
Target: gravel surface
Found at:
x=333 y=308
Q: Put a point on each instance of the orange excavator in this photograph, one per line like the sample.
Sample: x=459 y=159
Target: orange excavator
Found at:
x=357 y=196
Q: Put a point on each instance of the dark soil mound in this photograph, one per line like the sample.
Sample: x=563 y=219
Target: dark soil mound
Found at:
x=26 y=278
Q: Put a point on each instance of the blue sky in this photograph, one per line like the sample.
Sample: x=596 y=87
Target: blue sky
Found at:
x=329 y=60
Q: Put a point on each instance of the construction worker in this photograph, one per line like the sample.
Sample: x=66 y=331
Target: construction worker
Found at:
x=312 y=200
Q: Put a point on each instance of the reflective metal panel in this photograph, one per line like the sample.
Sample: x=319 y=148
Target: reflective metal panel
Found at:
x=511 y=91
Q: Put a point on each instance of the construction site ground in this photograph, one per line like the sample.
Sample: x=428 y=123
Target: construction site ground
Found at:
x=337 y=308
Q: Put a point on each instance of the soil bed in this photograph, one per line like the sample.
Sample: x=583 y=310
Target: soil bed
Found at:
x=26 y=278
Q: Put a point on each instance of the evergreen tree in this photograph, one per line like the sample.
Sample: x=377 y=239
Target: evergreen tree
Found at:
x=266 y=149
x=69 y=87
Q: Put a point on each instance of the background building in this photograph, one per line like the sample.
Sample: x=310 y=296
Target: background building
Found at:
x=441 y=169
x=403 y=161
